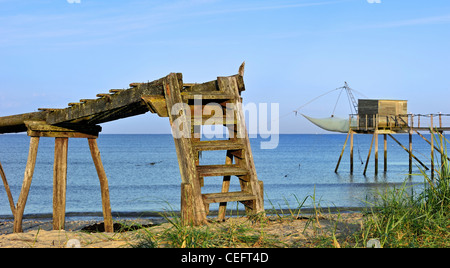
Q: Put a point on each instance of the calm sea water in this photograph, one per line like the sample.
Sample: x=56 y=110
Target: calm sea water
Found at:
x=143 y=172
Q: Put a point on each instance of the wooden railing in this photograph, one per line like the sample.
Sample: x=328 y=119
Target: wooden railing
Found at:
x=370 y=122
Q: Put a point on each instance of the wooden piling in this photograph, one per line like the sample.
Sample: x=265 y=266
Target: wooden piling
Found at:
x=351 y=151
x=7 y=189
x=385 y=152
x=60 y=183
x=370 y=151
x=29 y=171
x=432 y=146
x=342 y=153
x=376 y=152
x=410 y=152
x=103 y=185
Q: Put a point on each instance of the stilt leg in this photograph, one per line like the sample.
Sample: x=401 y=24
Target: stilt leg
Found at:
x=376 y=153
x=385 y=153
x=410 y=152
x=8 y=190
x=342 y=153
x=103 y=185
x=59 y=183
x=432 y=146
x=29 y=170
x=368 y=156
x=351 y=152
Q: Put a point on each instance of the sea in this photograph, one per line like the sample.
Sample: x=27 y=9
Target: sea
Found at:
x=144 y=177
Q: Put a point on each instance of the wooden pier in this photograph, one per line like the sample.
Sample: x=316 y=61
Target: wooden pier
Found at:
x=377 y=123
x=188 y=106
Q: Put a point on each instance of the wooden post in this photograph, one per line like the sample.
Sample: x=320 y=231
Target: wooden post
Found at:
x=351 y=152
x=432 y=146
x=60 y=183
x=376 y=152
x=7 y=189
x=29 y=170
x=185 y=154
x=410 y=152
x=103 y=185
x=385 y=153
x=370 y=151
x=187 y=206
x=225 y=188
x=342 y=153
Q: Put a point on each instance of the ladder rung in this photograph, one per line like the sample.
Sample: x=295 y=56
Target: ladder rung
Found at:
x=211 y=120
x=217 y=145
x=227 y=197
x=221 y=170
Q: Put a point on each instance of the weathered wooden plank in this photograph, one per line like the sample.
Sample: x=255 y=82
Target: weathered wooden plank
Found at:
x=217 y=145
x=42 y=129
x=186 y=160
x=60 y=183
x=228 y=197
x=16 y=123
x=132 y=96
x=156 y=104
x=221 y=170
x=29 y=171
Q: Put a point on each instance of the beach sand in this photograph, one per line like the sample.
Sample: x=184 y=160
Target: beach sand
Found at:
x=296 y=232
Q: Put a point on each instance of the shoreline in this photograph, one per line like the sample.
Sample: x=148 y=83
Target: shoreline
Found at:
x=75 y=221
x=160 y=214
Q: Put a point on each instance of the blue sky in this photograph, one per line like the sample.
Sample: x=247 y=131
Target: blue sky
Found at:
x=53 y=52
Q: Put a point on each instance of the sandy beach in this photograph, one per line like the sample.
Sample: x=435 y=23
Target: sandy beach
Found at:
x=293 y=232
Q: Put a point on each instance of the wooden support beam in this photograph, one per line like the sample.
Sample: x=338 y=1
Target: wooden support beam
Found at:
x=107 y=216
x=29 y=170
x=432 y=146
x=195 y=207
x=8 y=190
x=60 y=183
x=376 y=152
x=370 y=151
x=351 y=151
x=42 y=129
x=225 y=188
x=410 y=151
x=425 y=139
x=385 y=152
x=404 y=148
x=342 y=153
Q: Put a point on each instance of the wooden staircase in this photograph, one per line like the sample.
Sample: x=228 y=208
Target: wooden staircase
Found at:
x=191 y=106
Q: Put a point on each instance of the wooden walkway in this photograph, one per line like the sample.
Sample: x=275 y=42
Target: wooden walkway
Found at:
x=188 y=106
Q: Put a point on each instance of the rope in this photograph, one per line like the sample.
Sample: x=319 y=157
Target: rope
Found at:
x=326 y=93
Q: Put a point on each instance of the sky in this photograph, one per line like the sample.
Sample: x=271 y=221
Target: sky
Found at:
x=53 y=52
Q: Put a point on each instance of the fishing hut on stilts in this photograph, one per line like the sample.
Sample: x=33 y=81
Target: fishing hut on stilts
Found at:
x=189 y=106
x=385 y=117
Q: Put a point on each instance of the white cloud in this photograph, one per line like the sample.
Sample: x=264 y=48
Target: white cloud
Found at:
x=412 y=22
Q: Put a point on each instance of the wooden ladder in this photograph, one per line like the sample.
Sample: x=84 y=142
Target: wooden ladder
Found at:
x=190 y=108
